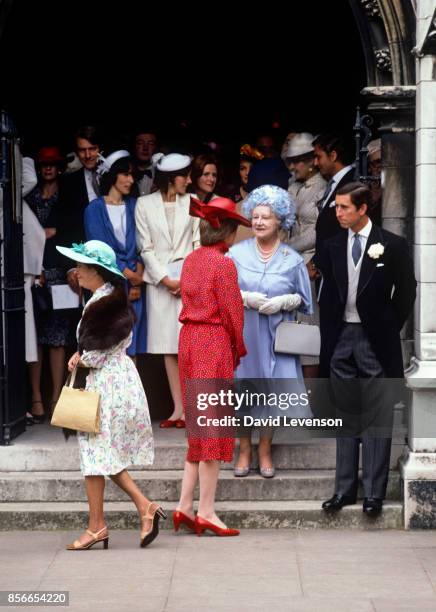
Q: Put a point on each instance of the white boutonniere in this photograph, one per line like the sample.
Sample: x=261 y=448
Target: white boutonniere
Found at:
x=376 y=250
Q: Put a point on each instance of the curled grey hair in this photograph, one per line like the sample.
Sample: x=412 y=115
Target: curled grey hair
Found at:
x=278 y=199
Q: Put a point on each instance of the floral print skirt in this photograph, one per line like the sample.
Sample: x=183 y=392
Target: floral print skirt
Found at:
x=125 y=436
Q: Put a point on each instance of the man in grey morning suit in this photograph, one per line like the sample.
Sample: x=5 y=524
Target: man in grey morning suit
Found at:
x=367 y=293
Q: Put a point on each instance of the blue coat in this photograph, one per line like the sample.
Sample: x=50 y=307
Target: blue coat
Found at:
x=98 y=226
x=285 y=273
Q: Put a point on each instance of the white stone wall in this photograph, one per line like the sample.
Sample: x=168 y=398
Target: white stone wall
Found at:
x=425 y=206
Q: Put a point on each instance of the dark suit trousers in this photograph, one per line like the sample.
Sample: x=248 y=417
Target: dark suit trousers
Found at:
x=354 y=358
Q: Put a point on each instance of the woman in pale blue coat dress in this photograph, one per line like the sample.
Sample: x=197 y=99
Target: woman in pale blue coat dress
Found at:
x=275 y=285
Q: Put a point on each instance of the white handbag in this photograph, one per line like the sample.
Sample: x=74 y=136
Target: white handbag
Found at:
x=296 y=338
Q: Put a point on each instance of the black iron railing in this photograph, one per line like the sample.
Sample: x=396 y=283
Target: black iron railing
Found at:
x=12 y=334
x=362 y=136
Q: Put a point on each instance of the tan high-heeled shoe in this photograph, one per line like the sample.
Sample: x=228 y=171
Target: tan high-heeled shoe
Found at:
x=77 y=545
x=153 y=513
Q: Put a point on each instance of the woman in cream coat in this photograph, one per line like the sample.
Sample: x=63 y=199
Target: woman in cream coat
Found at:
x=307 y=190
x=166 y=234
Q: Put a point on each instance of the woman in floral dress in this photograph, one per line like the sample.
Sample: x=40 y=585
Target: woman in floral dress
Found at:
x=125 y=438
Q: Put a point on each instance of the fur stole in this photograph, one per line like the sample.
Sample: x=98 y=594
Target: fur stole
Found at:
x=106 y=322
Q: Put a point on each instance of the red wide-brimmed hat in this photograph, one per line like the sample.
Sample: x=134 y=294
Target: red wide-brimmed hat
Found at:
x=217 y=210
x=49 y=155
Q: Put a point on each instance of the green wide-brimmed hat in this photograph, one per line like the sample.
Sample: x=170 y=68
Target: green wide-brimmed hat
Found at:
x=93 y=252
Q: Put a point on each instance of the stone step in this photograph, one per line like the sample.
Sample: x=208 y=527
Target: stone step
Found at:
x=243 y=515
x=165 y=485
x=43 y=448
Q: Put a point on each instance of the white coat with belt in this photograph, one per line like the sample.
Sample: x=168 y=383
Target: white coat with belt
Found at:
x=157 y=249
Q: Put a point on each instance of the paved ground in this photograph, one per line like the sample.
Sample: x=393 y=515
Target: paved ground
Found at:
x=350 y=571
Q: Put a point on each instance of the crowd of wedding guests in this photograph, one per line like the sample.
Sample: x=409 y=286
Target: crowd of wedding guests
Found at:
x=279 y=210
x=81 y=197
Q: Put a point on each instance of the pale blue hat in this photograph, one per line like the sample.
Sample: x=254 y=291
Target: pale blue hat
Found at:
x=278 y=199
x=93 y=252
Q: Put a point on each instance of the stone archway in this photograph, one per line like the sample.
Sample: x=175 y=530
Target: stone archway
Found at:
x=387 y=30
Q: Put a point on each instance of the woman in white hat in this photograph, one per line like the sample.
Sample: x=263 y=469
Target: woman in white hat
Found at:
x=307 y=190
x=166 y=234
x=111 y=219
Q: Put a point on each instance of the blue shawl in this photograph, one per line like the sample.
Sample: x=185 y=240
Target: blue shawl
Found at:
x=98 y=226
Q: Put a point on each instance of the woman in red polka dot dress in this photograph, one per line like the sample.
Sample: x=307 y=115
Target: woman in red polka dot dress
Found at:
x=211 y=345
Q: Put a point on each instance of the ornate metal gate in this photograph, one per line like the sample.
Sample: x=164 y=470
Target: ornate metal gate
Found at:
x=12 y=338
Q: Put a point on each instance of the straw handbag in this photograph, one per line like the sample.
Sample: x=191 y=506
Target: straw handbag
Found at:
x=77 y=408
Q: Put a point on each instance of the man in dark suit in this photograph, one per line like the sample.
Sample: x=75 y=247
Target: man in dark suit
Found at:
x=332 y=157
x=368 y=291
x=77 y=189
x=143 y=148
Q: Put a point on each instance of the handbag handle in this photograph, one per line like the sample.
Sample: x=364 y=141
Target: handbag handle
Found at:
x=72 y=377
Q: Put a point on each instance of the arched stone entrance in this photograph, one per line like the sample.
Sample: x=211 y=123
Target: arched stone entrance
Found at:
x=388 y=36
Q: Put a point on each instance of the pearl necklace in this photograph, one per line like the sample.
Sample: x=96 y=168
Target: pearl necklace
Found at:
x=266 y=254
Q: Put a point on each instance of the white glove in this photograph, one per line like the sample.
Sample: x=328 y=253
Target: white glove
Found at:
x=290 y=301
x=253 y=299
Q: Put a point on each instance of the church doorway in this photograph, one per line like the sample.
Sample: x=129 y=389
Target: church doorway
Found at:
x=194 y=74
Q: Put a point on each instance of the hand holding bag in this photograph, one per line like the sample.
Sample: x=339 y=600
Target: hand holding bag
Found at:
x=77 y=408
x=295 y=338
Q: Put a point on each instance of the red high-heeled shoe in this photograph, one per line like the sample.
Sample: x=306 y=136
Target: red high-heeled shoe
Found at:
x=167 y=423
x=179 y=518
x=201 y=525
x=180 y=424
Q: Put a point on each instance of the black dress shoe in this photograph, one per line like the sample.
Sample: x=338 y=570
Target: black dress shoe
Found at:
x=336 y=502
x=372 y=506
